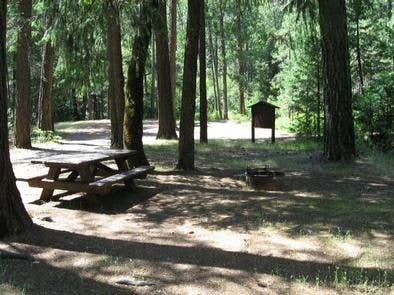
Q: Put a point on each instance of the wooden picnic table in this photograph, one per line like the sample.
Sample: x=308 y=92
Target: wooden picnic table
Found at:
x=86 y=172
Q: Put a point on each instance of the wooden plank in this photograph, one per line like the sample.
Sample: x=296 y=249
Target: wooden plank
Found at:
x=104 y=170
x=122 y=164
x=51 y=184
x=86 y=172
x=123 y=167
x=47 y=193
x=73 y=176
x=122 y=176
x=74 y=160
x=38 y=177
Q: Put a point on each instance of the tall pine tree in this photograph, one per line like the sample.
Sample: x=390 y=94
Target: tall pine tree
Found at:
x=13 y=216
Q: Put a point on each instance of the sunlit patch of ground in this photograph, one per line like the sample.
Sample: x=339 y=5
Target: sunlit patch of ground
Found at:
x=323 y=228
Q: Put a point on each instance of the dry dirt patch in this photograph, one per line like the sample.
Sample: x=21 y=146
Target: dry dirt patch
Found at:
x=206 y=233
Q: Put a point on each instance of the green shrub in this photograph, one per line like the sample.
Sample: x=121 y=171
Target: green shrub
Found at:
x=41 y=136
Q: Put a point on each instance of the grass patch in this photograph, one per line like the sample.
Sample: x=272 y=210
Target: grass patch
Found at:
x=343 y=277
x=342 y=217
x=41 y=136
x=383 y=161
x=237 y=117
x=294 y=154
x=6 y=285
x=237 y=154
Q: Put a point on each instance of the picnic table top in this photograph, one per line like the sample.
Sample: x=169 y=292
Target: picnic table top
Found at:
x=83 y=158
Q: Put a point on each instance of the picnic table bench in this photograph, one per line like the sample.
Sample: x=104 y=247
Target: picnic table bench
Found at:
x=86 y=172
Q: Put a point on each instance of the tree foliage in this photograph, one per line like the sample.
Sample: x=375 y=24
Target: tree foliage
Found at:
x=279 y=53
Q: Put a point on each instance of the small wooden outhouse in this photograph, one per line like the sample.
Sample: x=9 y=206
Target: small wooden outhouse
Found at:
x=263 y=116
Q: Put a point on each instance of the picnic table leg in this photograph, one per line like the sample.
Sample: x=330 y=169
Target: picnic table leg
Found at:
x=47 y=193
x=122 y=166
x=103 y=170
x=87 y=174
x=73 y=176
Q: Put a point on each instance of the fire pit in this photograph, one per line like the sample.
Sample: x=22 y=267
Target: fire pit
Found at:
x=263 y=178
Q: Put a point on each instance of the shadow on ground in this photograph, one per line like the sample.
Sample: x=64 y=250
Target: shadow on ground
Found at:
x=197 y=256
x=313 y=198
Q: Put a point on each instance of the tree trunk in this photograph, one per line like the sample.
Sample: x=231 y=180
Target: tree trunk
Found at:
x=23 y=76
x=116 y=100
x=337 y=88
x=203 y=79
x=134 y=110
x=241 y=62
x=96 y=105
x=45 y=110
x=389 y=15
x=167 y=124
x=82 y=113
x=216 y=99
x=358 y=51
x=13 y=216
x=12 y=94
x=224 y=61
x=153 y=90
x=91 y=101
x=318 y=98
x=216 y=64
x=173 y=47
x=186 y=132
x=241 y=87
x=74 y=106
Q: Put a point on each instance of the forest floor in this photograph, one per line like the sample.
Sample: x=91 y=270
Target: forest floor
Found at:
x=321 y=229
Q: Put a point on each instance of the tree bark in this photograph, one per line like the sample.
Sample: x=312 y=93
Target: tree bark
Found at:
x=13 y=216
x=23 y=75
x=91 y=102
x=216 y=102
x=45 y=110
x=74 y=105
x=203 y=78
x=358 y=48
x=167 y=124
x=318 y=98
x=173 y=47
x=241 y=62
x=116 y=100
x=153 y=90
x=224 y=60
x=389 y=15
x=134 y=110
x=186 y=133
x=337 y=88
x=12 y=93
x=218 y=89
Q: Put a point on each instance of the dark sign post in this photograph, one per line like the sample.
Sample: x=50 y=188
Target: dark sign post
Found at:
x=263 y=116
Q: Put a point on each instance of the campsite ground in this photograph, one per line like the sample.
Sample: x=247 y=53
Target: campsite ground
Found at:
x=323 y=228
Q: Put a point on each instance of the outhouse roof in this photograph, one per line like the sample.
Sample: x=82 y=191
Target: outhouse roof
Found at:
x=264 y=103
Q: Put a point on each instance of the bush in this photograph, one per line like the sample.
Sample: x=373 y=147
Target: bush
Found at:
x=41 y=136
x=374 y=111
